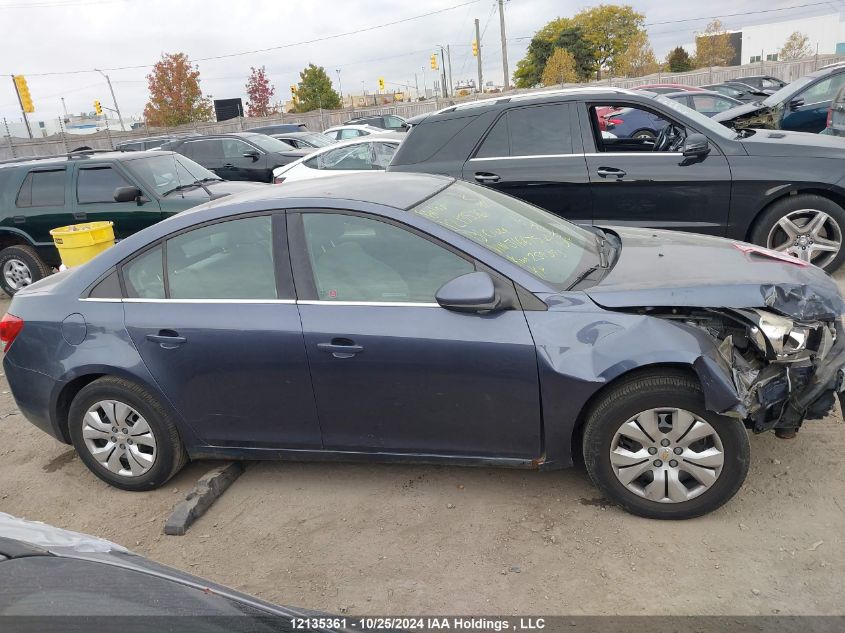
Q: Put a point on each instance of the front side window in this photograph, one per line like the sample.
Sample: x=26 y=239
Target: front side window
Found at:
x=42 y=189
x=537 y=241
x=362 y=259
x=824 y=90
x=144 y=275
x=227 y=260
x=233 y=148
x=530 y=131
x=97 y=184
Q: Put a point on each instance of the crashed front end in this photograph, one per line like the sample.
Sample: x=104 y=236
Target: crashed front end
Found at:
x=770 y=370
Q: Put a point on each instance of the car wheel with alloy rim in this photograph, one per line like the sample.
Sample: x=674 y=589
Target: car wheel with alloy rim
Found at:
x=20 y=266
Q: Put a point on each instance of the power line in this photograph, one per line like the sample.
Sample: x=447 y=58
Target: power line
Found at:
x=733 y=15
x=273 y=48
x=57 y=5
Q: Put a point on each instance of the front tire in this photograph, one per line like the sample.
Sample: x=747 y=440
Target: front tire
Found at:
x=124 y=436
x=20 y=266
x=652 y=447
x=807 y=226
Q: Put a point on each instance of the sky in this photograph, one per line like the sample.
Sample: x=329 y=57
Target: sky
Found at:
x=49 y=41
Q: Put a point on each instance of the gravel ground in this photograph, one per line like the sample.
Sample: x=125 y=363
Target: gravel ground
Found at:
x=377 y=539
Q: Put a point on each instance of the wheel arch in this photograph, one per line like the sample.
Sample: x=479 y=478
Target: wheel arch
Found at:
x=834 y=196
x=14 y=237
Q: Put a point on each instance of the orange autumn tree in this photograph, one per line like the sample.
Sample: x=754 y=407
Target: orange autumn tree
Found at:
x=175 y=94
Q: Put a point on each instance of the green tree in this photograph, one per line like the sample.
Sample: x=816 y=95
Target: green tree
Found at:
x=560 y=68
x=713 y=47
x=610 y=29
x=572 y=39
x=678 y=60
x=175 y=94
x=315 y=90
x=797 y=46
x=638 y=60
x=529 y=69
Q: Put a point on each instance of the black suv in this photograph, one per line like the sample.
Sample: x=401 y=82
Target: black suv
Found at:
x=784 y=190
x=239 y=156
x=132 y=189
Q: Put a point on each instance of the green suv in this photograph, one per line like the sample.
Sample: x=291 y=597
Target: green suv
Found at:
x=132 y=189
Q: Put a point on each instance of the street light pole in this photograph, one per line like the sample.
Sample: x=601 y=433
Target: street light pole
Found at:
x=504 y=43
x=478 y=44
x=339 y=86
x=113 y=98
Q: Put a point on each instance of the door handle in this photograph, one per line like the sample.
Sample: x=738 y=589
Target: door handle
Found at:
x=604 y=172
x=167 y=339
x=483 y=176
x=341 y=348
x=229 y=166
x=80 y=215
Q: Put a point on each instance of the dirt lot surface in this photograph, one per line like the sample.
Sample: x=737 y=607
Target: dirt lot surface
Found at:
x=382 y=539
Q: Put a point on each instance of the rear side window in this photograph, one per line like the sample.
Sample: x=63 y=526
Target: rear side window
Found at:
x=202 y=151
x=532 y=131
x=144 y=275
x=42 y=189
x=98 y=184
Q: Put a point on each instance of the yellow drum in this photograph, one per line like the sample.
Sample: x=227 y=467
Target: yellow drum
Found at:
x=79 y=243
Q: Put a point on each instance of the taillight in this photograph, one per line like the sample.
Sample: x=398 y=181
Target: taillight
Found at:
x=278 y=180
x=616 y=121
x=10 y=327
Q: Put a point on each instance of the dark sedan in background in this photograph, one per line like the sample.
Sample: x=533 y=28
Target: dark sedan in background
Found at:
x=240 y=156
x=778 y=189
x=409 y=317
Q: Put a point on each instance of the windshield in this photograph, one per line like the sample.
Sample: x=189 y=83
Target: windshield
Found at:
x=539 y=242
x=164 y=172
x=270 y=144
x=776 y=98
x=700 y=120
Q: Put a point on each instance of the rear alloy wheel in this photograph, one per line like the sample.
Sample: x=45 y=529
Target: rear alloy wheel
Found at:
x=124 y=436
x=20 y=266
x=808 y=227
x=652 y=447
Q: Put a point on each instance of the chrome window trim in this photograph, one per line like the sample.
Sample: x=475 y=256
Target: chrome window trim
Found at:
x=383 y=304
x=526 y=156
x=648 y=153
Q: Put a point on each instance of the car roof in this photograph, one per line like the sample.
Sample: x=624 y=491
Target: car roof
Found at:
x=698 y=93
x=97 y=155
x=354 y=126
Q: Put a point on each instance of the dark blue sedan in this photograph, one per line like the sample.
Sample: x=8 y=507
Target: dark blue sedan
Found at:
x=407 y=317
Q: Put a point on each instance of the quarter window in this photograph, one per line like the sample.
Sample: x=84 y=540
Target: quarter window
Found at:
x=361 y=259
x=98 y=184
x=42 y=189
x=144 y=275
x=531 y=131
x=227 y=260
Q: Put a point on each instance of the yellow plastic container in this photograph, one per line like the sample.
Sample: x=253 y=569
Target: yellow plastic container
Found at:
x=79 y=243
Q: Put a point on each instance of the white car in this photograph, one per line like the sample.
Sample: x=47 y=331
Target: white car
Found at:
x=369 y=153
x=345 y=132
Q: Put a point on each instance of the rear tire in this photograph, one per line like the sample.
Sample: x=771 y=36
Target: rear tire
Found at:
x=796 y=214
x=20 y=266
x=124 y=435
x=688 y=438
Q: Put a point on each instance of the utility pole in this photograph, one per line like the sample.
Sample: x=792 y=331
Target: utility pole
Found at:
x=449 y=57
x=425 y=88
x=339 y=86
x=113 y=98
x=504 y=43
x=417 y=85
x=443 y=65
x=478 y=44
x=64 y=107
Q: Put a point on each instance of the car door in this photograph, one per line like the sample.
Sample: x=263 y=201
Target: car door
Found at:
x=532 y=153
x=631 y=185
x=394 y=372
x=211 y=311
x=41 y=203
x=807 y=110
x=94 y=199
x=208 y=152
x=243 y=161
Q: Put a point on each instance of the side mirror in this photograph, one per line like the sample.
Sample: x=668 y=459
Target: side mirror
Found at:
x=695 y=146
x=796 y=103
x=473 y=292
x=253 y=155
x=127 y=194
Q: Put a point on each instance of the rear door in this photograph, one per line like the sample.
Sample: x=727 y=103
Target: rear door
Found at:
x=534 y=153
x=42 y=203
x=633 y=185
x=207 y=152
x=212 y=313
x=93 y=199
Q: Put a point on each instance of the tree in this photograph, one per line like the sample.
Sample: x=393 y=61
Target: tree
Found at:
x=259 y=91
x=797 y=46
x=175 y=94
x=713 y=47
x=529 y=69
x=315 y=90
x=638 y=60
x=609 y=29
x=678 y=60
x=572 y=39
x=560 y=68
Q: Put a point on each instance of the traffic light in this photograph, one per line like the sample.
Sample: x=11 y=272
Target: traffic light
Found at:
x=293 y=91
x=98 y=109
x=434 y=61
x=23 y=91
x=381 y=83
x=474 y=48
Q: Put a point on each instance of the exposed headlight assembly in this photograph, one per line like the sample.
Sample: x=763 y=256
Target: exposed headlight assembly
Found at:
x=780 y=338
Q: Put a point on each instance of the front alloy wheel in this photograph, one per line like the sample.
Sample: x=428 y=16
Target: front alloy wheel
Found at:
x=809 y=234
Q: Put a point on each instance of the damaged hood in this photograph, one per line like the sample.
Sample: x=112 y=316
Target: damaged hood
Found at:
x=741 y=112
x=671 y=269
